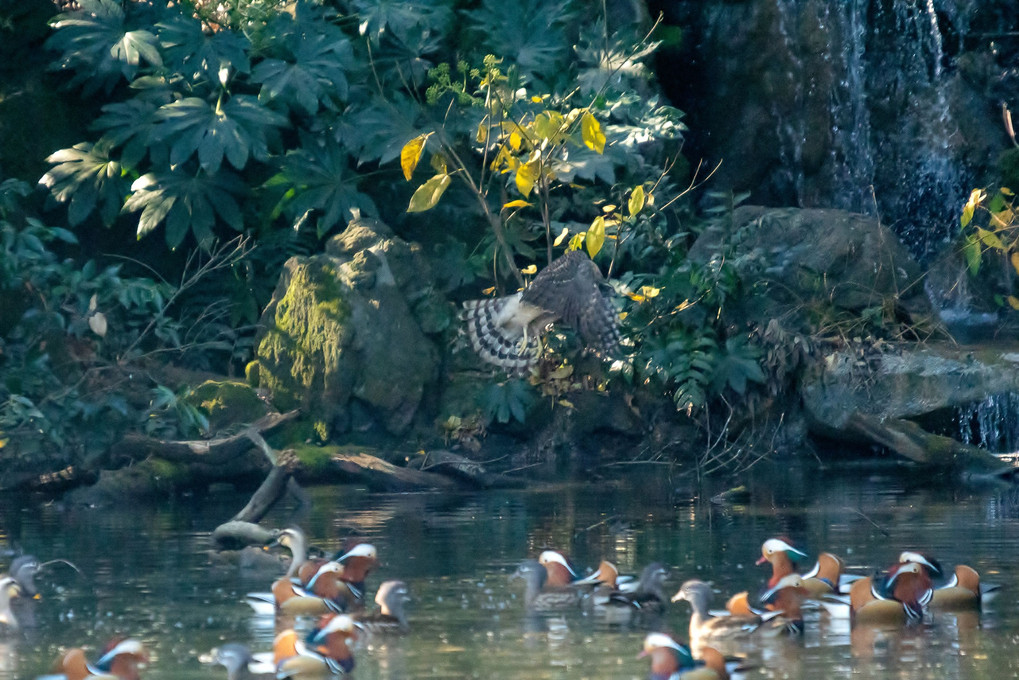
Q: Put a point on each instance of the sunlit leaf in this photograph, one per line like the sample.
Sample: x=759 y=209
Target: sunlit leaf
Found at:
x=595 y=236
x=976 y=197
x=529 y=269
x=410 y=155
x=590 y=130
x=990 y=239
x=1013 y=302
x=97 y=323
x=636 y=202
x=428 y=194
x=1014 y=259
x=518 y=203
x=527 y=175
x=561 y=237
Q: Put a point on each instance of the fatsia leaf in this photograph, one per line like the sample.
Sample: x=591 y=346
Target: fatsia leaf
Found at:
x=186 y=203
x=316 y=75
x=130 y=125
x=85 y=177
x=95 y=42
x=428 y=194
x=400 y=18
x=190 y=49
x=236 y=130
x=318 y=178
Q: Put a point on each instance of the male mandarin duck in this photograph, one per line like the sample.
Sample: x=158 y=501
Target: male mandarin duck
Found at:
x=608 y=603
x=325 y=651
x=326 y=592
x=122 y=660
x=390 y=617
x=786 y=599
x=825 y=578
x=240 y=663
x=560 y=570
x=673 y=660
x=898 y=597
x=541 y=597
x=962 y=591
x=358 y=560
x=705 y=626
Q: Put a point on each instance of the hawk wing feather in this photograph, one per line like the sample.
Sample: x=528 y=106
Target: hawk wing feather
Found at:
x=570 y=290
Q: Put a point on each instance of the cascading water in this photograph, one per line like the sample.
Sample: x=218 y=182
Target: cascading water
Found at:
x=992 y=424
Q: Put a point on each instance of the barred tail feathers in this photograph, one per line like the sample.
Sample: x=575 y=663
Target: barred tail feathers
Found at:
x=496 y=332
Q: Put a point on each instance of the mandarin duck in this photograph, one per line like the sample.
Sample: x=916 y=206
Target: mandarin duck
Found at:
x=900 y=596
x=539 y=596
x=358 y=560
x=649 y=593
x=560 y=569
x=609 y=604
x=289 y=585
x=240 y=663
x=704 y=625
x=961 y=592
x=390 y=617
x=325 y=593
x=673 y=660
x=786 y=599
x=122 y=660
x=325 y=651
x=825 y=578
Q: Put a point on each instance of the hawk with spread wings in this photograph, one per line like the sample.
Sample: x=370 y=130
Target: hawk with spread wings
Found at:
x=505 y=331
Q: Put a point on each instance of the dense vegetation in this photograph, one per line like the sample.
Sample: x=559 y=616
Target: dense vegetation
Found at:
x=228 y=137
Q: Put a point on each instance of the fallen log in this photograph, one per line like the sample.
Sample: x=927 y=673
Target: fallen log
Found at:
x=912 y=442
x=379 y=475
x=463 y=470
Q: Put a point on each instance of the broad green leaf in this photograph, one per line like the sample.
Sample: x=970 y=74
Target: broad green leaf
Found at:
x=316 y=76
x=85 y=177
x=190 y=49
x=990 y=239
x=527 y=176
x=428 y=194
x=971 y=252
x=636 y=202
x=237 y=129
x=319 y=179
x=591 y=132
x=410 y=155
x=595 y=236
x=186 y=204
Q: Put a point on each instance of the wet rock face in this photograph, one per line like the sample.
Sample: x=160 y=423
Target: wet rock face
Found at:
x=886 y=107
x=346 y=335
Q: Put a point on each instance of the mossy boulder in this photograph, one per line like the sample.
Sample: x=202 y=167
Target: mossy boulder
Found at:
x=349 y=331
x=228 y=403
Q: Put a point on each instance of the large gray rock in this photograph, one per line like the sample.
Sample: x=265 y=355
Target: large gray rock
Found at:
x=347 y=332
x=803 y=264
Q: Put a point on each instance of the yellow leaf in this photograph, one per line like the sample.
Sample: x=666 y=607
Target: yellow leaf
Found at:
x=1002 y=219
x=527 y=175
x=548 y=126
x=515 y=140
x=519 y=203
x=535 y=99
x=410 y=154
x=1013 y=302
x=636 y=202
x=636 y=297
x=3 y=442
x=488 y=291
x=529 y=269
x=608 y=208
x=97 y=323
x=564 y=371
x=1014 y=259
x=428 y=194
x=562 y=235
x=650 y=291
x=595 y=236
x=1007 y=192
x=576 y=242
x=590 y=130
x=976 y=197
x=481 y=136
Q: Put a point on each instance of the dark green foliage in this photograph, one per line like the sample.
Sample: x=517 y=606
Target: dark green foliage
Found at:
x=509 y=400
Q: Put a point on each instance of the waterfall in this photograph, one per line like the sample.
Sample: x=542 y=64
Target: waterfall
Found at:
x=992 y=424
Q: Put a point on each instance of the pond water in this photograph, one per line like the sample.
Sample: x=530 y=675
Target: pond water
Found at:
x=149 y=572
